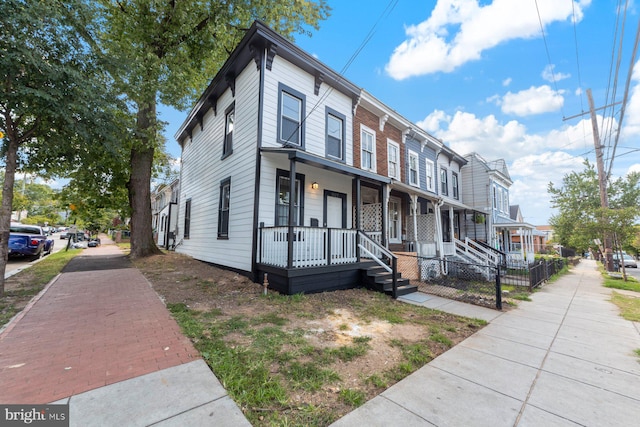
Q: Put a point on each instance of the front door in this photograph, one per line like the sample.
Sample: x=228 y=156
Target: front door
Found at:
x=395 y=221
x=335 y=209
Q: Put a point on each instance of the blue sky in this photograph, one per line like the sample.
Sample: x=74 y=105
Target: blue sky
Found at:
x=480 y=76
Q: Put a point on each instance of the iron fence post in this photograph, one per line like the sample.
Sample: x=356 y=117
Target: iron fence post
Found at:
x=498 y=289
x=394 y=273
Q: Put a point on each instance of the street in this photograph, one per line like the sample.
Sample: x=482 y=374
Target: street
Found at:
x=16 y=264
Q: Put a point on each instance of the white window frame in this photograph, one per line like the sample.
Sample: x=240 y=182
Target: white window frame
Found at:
x=430 y=168
x=444 y=191
x=455 y=185
x=393 y=146
x=365 y=130
x=414 y=155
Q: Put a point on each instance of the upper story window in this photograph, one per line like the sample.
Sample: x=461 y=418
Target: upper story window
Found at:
x=454 y=185
x=368 y=149
x=223 y=209
x=414 y=171
x=495 y=197
x=429 y=172
x=227 y=147
x=335 y=145
x=291 y=113
x=444 y=182
x=393 y=158
x=505 y=201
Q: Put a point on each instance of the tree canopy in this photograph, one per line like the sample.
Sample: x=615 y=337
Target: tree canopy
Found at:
x=54 y=100
x=167 y=52
x=581 y=219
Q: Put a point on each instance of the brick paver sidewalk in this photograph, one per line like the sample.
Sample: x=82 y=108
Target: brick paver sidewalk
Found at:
x=98 y=323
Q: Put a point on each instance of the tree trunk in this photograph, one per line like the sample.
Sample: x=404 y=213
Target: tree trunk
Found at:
x=7 y=202
x=139 y=185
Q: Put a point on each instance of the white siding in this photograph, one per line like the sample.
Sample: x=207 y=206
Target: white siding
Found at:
x=203 y=170
x=315 y=134
x=313 y=199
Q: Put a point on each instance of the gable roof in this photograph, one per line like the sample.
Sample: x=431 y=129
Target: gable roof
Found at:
x=258 y=39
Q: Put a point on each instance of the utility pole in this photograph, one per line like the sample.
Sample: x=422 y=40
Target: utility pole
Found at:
x=602 y=180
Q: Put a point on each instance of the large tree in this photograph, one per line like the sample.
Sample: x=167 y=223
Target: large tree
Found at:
x=165 y=51
x=52 y=98
x=581 y=218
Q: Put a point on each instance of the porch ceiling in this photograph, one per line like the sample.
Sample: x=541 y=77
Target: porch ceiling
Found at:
x=320 y=162
x=514 y=225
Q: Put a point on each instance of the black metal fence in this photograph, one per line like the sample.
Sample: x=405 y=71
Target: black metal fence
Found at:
x=472 y=283
x=481 y=284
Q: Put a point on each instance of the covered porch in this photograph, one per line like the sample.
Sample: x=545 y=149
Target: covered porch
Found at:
x=516 y=239
x=316 y=246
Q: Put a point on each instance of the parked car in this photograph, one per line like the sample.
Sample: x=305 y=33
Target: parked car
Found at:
x=28 y=241
x=629 y=261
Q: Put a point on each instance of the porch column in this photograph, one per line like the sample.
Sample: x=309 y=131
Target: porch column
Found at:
x=523 y=243
x=356 y=191
x=414 y=208
x=439 y=236
x=451 y=225
x=292 y=210
x=385 y=214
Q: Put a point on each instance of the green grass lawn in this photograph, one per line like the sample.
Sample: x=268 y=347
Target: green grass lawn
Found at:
x=629 y=306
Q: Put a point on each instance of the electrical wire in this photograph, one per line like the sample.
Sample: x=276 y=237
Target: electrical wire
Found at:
x=385 y=13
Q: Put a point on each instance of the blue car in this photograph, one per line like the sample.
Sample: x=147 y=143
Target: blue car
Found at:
x=28 y=241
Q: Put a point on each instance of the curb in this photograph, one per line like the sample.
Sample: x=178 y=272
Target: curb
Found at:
x=4 y=330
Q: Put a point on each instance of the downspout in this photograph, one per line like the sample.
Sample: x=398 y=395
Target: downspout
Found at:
x=256 y=194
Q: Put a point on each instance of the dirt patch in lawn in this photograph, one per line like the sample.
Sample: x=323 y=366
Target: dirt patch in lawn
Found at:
x=312 y=358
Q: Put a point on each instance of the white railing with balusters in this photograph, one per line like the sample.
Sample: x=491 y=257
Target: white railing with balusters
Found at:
x=312 y=246
x=492 y=257
x=476 y=255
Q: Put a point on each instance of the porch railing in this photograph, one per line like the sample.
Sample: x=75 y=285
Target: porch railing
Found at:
x=312 y=246
x=373 y=250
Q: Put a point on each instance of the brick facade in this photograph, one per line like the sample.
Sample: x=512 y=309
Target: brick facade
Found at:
x=372 y=121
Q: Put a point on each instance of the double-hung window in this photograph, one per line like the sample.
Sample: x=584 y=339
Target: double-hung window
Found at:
x=414 y=170
x=393 y=159
x=335 y=147
x=291 y=116
x=223 y=209
x=429 y=172
x=444 y=182
x=283 y=198
x=368 y=149
x=187 y=218
x=229 y=120
x=454 y=185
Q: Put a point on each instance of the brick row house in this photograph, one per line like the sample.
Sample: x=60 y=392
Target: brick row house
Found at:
x=290 y=170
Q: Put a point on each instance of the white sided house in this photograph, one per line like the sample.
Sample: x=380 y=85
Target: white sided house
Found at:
x=268 y=183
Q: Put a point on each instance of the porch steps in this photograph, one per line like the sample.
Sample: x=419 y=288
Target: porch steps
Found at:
x=379 y=279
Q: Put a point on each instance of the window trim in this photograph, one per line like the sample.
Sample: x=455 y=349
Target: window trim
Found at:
x=374 y=166
x=430 y=165
x=281 y=173
x=343 y=119
x=224 y=234
x=444 y=183
x=455 y=185
x=227 y=146
x=282 y=88
x=391 y=143
x=413 y=154
x=187 y=218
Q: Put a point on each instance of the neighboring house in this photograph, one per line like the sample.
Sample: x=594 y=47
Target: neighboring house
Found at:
x=268 y=182
x=489 y=192
x=538 y=238
x=164 y=210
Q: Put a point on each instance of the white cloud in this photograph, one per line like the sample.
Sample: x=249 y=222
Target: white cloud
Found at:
x=535 y=100
x=631 y=121
x=634 y=168
x=552 y=77
x=465 y=133
x=506 y=82
x=458 y=31
x=578 y=91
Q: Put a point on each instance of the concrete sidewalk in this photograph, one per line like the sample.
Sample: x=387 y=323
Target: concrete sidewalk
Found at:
x=566 y=358
x=99 y=338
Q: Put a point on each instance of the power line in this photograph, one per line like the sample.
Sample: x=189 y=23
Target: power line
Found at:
x=385 y=13
x=626 y=96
